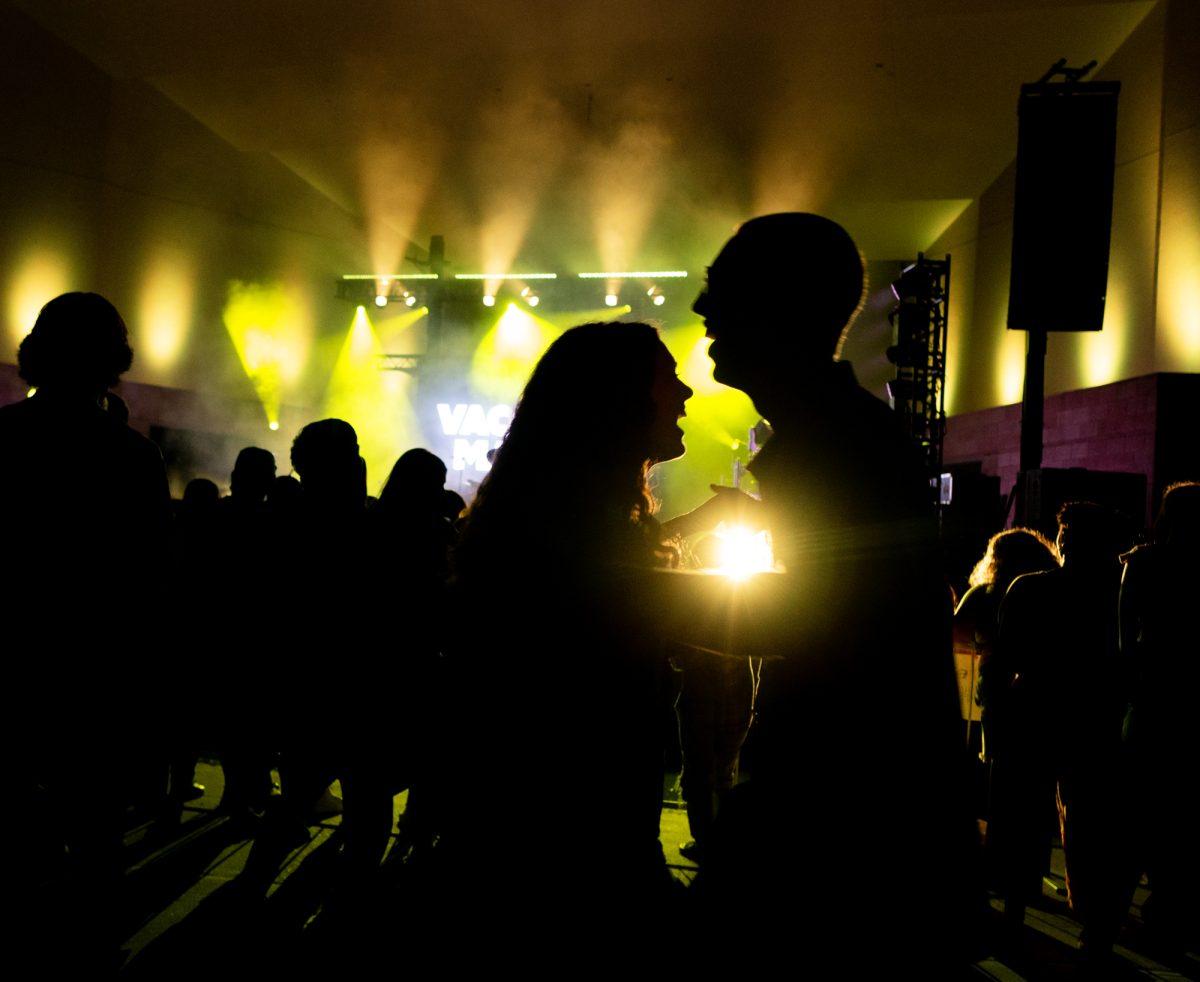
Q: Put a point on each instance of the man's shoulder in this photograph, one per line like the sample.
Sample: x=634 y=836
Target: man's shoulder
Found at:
x=1032 y=586
x=15 y=411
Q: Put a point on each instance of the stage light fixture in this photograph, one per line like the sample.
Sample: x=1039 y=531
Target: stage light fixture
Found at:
x=489 y=300
x=394 y=276
x=610 y=299
x=273 y=425
x=381 y=300
x=659 y=300
x=661 y=274
x=409 y=300
x=506 y=276
x=533 y=300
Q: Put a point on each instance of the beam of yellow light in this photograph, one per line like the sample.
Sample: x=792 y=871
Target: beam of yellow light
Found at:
x=270 y=329
x=165 y=304
x=395 y=176
x=397 y=330
x=522 y=138
x=39 y=277
x=626 y=180
x=376 y=403
x=508 y=352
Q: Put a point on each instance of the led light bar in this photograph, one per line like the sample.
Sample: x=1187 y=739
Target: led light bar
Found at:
x=391 y=276
x=506 y=276
x=660 y=274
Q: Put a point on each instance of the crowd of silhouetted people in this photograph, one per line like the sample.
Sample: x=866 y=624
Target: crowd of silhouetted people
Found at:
x=1081 y=682
x=508 y=664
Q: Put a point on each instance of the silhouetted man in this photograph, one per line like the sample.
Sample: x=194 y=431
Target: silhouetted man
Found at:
x=85 y=504
x=1059 y=714
x=248 y=550
x=854 y=795
x=334 y=690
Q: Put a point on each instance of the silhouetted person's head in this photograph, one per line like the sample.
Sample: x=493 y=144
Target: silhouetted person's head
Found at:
x=602 y=404
x=253 y=474
x=325 y=455
x=779 y=299
x=1090 y=535
x=416 y=481
x=200 y=499
x=1178 y=522
x=453 y=505
x=78 y=346
x=1013 y=553
x=285 y=495
x=615 y=382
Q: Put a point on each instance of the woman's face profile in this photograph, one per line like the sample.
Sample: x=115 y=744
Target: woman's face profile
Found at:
x=668 y=394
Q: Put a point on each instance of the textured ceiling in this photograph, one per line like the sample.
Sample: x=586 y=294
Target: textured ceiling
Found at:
x=605 y=133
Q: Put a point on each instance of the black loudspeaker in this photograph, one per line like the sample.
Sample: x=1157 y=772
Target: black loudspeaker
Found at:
x=1048 y=488
x=1062 y=218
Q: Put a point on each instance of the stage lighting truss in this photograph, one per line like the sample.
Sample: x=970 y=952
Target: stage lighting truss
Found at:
x=919 y=319
x=367 y=288
x=615 y=278
x=409 y=364
x=411 y=289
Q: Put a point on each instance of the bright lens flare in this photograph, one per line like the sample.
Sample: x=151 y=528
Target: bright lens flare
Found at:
x=742 y=552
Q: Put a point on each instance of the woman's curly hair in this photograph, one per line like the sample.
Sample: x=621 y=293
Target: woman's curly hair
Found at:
x=579 y=431
x=78 y=341
x=1012 y=553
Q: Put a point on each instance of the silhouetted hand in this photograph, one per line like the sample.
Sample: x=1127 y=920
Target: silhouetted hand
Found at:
x=727 y=505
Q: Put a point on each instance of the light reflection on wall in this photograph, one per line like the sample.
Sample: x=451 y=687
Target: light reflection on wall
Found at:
x=1178 y=328
x=1101 y=355
x=41 y=276
x=164 y=311
x=1010 y=367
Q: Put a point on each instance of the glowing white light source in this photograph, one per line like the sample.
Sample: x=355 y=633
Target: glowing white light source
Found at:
x=660 y=274
x=659 y=300
x=31 y=393
x=533 y=300
x=273 y=425
x=394 y=276
x=610 y=300
x=506 y=276
x=489 y=300
x=410 y=300
x=380 y=300
x=742 y=552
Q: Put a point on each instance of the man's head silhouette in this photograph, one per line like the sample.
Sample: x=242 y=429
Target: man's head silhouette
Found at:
x=325 y=455
x=78 y=344
x=779 y=298
x=253 y=474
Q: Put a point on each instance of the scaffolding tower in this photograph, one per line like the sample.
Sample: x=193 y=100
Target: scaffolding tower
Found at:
x=918 y=392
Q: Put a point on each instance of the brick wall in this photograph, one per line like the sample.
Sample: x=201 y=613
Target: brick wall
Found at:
x=1115 y=427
